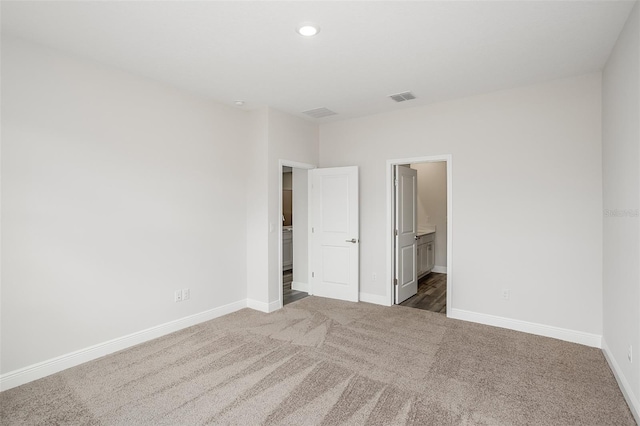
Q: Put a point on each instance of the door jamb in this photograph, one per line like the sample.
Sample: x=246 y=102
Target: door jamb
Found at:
x=391 y=226
x=296 y=165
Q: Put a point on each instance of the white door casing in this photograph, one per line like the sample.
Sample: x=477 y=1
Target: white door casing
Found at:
x=334 y=243
x=390 y=227
x=405 y=235
x=299 y=201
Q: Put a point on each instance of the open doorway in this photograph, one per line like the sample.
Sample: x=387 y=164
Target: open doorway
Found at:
x=294 y=231
x=420 y=243
x=289 y=294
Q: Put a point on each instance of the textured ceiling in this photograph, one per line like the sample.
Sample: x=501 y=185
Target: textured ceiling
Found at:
x=365 y=51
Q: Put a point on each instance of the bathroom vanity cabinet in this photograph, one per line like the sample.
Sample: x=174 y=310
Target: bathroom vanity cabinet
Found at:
x=426 y=253
x=287 y=248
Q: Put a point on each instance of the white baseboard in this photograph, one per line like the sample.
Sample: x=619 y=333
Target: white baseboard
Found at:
x=439 y=269
x=625 y=387
x=45 y=368
x=588 y=339
x=375 y=299
x=258 y=306
x=263 y=306
x=274 y=306
x=300 y=286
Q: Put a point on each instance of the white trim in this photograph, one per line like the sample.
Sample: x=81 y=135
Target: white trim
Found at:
x=439 y=269
x=281 y=164
x=588 y=339
x=296 y=165
x=274 y=306
x=625 y=387
x=300 y=286
x=267 y=308
x=256 y=305
x=390 y=225
x=309 y=234
x=45 y=368
x=375 y=299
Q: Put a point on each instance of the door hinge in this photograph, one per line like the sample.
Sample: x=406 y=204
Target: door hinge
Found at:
x=395 y=281
x=313 y=230
x=396 y=232
x=313 y=275
x=395 y=182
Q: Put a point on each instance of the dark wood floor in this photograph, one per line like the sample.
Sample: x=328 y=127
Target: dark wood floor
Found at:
x=432 y=294
x=289 y=295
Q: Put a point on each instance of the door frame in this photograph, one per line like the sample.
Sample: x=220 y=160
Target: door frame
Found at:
x=296 y=165
x=447 y=158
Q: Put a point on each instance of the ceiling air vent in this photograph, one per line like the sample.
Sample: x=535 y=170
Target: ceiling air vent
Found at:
x=319 y=112
x=401 y=97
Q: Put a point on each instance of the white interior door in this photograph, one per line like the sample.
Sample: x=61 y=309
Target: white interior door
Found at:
x=406 y=282
x=334 y=238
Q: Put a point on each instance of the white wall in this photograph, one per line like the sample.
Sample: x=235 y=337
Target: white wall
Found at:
x=527 y=204
x=621 y=183
x=257 y=219
x=296 y=140
x=432 y=204
x=115 y=192
x=300 y=229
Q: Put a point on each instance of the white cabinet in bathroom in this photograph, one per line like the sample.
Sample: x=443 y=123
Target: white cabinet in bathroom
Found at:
x=425 y=253
x=421 y=260
x=287 y=248
x=431 y=255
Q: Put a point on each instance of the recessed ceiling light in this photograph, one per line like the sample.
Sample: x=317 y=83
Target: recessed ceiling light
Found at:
x=239 y=103
x=308 y=29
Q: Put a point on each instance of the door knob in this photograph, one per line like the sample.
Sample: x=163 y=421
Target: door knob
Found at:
x=353 y=240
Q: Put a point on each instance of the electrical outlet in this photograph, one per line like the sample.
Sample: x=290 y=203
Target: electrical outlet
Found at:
x=186 y=294
x=374 y=276
x=630 y=354
x=177 y=296
x=505 y=294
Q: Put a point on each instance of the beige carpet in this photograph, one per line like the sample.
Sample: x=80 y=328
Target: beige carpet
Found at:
x=325 y=362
